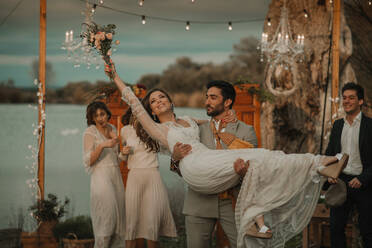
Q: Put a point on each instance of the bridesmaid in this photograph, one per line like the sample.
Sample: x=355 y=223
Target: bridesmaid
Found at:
x=106 y=186
x=148 y=213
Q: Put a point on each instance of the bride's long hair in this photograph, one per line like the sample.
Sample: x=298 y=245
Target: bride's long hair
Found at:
x=151 y=144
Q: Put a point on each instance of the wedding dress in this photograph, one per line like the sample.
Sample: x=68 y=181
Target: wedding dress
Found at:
x=283 y=187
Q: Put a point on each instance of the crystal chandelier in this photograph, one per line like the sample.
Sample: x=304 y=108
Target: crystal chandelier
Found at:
x=282 y=49
x=282 y=52
x=78 y=50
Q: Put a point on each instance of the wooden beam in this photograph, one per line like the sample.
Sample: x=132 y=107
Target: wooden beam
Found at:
x=41 y=120
x=335 y=56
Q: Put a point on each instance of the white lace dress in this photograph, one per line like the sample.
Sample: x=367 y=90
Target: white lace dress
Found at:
x=106 y=192
x=283 y=187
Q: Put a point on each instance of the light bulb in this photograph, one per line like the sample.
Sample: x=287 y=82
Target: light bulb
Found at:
x=187 y=25
x=192 y=1
x=306 y=14
x=100 y=2
x=268 y=22
x=141 y=2
x=230 y=26
x=143 y=19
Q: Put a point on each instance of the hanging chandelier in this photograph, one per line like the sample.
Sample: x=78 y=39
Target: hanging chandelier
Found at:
x=78 y=50
x=283 y=48
x=283 y=52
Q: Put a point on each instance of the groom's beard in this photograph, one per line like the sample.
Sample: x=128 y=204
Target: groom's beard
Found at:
x=216 y=110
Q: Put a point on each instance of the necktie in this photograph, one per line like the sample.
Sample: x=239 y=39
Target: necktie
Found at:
x=215 y=133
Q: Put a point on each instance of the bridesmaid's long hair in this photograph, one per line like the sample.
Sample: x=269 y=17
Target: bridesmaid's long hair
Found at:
x=151 y=144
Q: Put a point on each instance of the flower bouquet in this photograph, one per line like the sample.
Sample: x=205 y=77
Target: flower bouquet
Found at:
x=100 y=38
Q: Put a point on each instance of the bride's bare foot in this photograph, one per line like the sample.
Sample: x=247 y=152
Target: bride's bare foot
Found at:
x=259 y=229
x=328 y=160
x=333 y=166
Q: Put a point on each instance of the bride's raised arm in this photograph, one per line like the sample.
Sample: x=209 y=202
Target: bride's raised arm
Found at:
x=155 y=130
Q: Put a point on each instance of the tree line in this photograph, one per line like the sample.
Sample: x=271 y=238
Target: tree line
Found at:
x=184 y=79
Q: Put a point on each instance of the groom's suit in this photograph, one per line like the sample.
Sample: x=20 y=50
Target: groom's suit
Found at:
x=362 y=197
x=202 y=211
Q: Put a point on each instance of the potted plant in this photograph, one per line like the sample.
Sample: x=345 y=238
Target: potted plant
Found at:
x=76 y=232
x=47 y=212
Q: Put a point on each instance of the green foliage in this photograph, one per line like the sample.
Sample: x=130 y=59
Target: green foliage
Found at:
x=80 y=225
x=49 y=209
x=263 y=94
x=187 y=76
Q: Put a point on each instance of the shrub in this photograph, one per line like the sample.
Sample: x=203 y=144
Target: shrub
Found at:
x=80 y=225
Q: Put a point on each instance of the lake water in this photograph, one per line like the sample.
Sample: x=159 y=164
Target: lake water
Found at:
x=64 y=171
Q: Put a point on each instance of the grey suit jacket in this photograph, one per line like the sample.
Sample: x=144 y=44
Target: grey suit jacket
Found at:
x=202 y=205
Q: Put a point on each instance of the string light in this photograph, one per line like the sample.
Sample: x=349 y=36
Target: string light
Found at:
x=174 y=20
x=100 y=2
x=32 y=183
x=187 y=26
x=269 y=22
x=369 y=3
x=94 y=8
x=192 y=1
x=306 y=14
x=330 y=1
x=143 y=19
x=230 y=26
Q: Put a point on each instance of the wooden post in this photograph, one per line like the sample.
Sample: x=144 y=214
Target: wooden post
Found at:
x=41 y=102
x=335 y=56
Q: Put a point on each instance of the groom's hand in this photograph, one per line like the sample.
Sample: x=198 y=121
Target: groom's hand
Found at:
x=180 y=151
x=230 y=117
x=241 y=167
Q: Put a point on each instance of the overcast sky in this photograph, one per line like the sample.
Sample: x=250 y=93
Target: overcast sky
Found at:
x=148 y=48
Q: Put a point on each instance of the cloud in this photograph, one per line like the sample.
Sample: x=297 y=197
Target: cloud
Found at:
x=16 y=59
x=132 y=60
x=215 y=57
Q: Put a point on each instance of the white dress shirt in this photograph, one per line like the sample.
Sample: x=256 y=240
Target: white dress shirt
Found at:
x=350 y=145
x=217 y=125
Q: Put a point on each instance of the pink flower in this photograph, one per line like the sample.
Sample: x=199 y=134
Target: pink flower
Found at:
x=102 y=35
x=109 y=36
x=117 y=42
x=97 y=44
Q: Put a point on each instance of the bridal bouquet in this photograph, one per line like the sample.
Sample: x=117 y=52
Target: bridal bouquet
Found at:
x=100 y=38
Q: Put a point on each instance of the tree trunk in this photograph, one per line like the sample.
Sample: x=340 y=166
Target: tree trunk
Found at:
x=299 y=122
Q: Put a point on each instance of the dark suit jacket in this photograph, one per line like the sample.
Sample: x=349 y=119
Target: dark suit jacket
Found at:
x=365 y=146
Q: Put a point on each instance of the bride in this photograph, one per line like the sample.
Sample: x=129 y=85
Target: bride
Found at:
x=283 y=187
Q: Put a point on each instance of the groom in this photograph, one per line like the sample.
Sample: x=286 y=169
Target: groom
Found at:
x=203 y=211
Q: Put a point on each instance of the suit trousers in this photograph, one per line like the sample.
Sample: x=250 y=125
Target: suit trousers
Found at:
x=199 y=229
x=362 y=200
